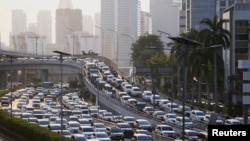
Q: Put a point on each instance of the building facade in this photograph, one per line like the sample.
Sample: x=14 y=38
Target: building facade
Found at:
x=118 y=18
x=19 y=21
x=44 y=24
x=165 y=17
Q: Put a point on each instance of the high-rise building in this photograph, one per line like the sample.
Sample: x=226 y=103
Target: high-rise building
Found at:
x=87 y=24
x=122 y=17
x=68 y=21
x=44 y=23
x=165 y=17
x=146 y=23
x=19 y=21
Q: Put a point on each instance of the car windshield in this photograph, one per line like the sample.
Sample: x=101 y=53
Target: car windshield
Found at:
x=172 y=116
x=192 y=133
x=116 y=130
x=100 y=126
x=55 y=127
x=200 y=114
x=101 y=135
x=125 y=126
x=74 y=125
x=143 y=138
x=88 y=130
x=130 y=119
x=167 y=128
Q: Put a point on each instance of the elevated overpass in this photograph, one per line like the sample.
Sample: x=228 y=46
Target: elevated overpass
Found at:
x=104 y=100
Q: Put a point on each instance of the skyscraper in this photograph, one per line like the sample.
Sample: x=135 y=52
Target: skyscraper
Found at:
x=122 y=16
x=19 y=21
x=68 y=21
x=44 y=23
x=165 y=17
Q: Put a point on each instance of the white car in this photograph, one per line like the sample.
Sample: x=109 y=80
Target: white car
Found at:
x=155 y=99
x=146 y=95
x=170 y=117
x=136 y=91
x=127 y=88
x=165 y=130
x=187 y=122
x=197 y=115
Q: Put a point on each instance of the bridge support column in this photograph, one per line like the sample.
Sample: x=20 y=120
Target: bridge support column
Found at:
x=3 y=79
x=23 y=77
x=45 y=75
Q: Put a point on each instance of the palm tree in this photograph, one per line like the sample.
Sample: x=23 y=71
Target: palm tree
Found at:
x=212 y=35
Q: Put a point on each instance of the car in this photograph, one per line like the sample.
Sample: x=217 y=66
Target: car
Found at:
x=143 y=131
x=65 y=133
x=73 y=126
x=136 y=92
x=64 y=122
x=159 y=114
x=115 y=133
x=127 y=88
x=54 y=127
x=32 y=120
x=187 y=110
x=117 y=83
x=78 y=137
x=162 y=103
x=146 y=95
x=126 y=128
x=155 y=99
x=143 y=124
x=187 y=122
x=84 y=122
x=148 y=109
x=43 y=122
x=191 y=135
x=232 y=122
x=141 y=137
x=101 y=136
x=171 y=107
x=99 y=127
x=130 y=120
x=197 y=115
x=107 y=116
x=116 y=118
x=87 y=131
x=169 y=117
x=124 y=99
x=165 y=130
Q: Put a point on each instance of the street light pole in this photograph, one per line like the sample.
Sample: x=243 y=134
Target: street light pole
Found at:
x=116 y=46
x=102 y=36
x=132 y=46
x=61 y=60
x=184 y=51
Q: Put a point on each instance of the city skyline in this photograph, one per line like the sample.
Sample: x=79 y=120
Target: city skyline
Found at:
x=31 y=9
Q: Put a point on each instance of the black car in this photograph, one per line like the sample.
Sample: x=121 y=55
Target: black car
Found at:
x=115 y=133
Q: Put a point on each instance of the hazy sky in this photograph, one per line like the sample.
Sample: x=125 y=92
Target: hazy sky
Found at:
x=31 y=8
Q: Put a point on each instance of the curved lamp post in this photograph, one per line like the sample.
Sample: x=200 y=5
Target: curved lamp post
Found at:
x=102 y=36
x=61 y=60
x=115 y=32
x=132 y=46
x=184 y=42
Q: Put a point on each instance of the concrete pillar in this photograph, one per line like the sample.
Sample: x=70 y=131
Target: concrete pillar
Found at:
x=45 y=75
x=23 y=77
x=3 y=79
